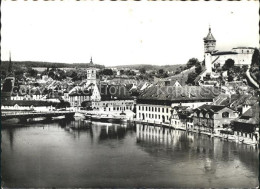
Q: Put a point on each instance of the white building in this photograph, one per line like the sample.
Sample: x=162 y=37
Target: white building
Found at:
x=155 y=103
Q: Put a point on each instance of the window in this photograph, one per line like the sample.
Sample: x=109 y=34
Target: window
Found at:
x=163 y=110
x=155 y=116
x=139 y=107
x=159 y=117
x=142 y=108
x=146 y=108
x=152 y=109
x=225 y=115
x=155 y=109
x=159 y=110
x=167 y=110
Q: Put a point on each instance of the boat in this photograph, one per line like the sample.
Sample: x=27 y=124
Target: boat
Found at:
x=107 y=118
x=117 y=119
x=88 y=116
x=231 y=137
x=249 y=142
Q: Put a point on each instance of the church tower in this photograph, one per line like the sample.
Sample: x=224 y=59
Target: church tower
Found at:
x=91 y=73
x=10 y=66
x=209 y=48
x=209 y=42
x=91 y=62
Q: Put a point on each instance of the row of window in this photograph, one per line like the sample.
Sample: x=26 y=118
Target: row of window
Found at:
x=152 y=116
x=153 y=109
x=118 y=108
x=224 y=115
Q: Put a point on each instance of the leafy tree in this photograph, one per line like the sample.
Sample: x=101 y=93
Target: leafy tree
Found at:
x=255 y=58
x=192 y=62
x=191 y=77
x=142 y=70
x=7 y=86
x=244 y=68
x=230 y=75
x=32 y=72
x=161 y=71
x=107 y=72
x=3 y=74
x=63 y=104
x=229 y=63
x=198 y=69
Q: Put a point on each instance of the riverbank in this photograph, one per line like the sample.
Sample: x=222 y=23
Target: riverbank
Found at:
x=227 y=137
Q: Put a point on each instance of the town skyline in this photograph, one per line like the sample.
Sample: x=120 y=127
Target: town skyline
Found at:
x=128 y=34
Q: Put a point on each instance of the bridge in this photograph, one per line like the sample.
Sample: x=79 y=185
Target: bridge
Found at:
x=23 y=116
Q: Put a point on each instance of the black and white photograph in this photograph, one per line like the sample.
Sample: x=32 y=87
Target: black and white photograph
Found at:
x=129 y=94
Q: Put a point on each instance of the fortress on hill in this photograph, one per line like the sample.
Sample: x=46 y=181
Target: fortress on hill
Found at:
x=240 y=55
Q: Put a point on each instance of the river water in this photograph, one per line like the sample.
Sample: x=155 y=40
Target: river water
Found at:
x=52 y=154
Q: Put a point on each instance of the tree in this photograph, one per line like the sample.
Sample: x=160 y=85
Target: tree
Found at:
x=192 y=62
x=3 y=74
x=244 y=68
x=7 y=86
x=230 y=75
x=191 y=77
x=198 y=69
x=63 y=104
x=161 y=71
x=142 y=71
x=229 y=63
x=255 y=58
x=107 y=72
x=32 y=72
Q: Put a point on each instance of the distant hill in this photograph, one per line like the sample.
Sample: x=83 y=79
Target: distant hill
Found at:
x=150 y=67
x=27 y=64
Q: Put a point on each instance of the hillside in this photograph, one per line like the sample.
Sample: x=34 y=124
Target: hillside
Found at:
x=27 y=64
x=150 y=67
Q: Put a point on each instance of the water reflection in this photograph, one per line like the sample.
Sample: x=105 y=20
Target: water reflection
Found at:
x=166 y=142
x=87 y=154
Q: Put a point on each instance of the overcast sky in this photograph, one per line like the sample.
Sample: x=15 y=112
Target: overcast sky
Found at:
x=121 y=33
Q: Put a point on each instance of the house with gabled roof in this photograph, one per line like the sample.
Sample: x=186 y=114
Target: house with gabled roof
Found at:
x=247 y=125
x=213 y=118
x=181 y=117
x=115 y=98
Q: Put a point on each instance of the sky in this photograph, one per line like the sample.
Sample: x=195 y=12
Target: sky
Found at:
x=123 y=33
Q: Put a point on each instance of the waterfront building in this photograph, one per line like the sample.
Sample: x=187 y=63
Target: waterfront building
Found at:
x=213 y=118
x=247 y=125
x=182 y=117
x=114 y=98
x=155 y=103
x=79 y=95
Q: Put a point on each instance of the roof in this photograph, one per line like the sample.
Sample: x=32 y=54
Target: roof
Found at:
x=212 y=108
x=179 y=94
x=223 y=53
x=80 y=92
x=251 y=116
x=209 y=36
x=112 y=92
x=244 y=48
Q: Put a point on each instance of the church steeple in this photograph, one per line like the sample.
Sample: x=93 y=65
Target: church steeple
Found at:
x=10 y=67
x=91 y=62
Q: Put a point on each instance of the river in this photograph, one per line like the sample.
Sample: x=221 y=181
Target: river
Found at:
x=51 y=154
